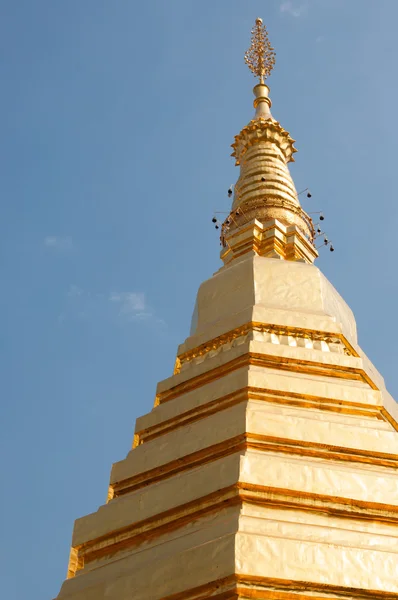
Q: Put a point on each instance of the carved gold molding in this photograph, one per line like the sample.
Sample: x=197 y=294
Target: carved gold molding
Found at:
x=293 y=336
x=271 y=238
x=265 y=131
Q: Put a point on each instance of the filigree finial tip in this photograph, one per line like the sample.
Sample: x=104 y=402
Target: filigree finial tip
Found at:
x=260 y=57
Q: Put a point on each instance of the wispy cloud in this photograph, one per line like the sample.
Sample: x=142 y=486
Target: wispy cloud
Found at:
x=131 y=305
x=120 y=306
x=292 y=8
x=64 y=243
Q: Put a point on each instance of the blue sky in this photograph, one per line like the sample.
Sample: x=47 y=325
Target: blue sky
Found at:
x=116 y=120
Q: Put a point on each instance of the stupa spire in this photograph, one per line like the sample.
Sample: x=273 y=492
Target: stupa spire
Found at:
x=267 y=468
x=266 y=216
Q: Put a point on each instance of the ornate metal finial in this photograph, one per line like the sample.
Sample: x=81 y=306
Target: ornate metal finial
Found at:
x=260 y=57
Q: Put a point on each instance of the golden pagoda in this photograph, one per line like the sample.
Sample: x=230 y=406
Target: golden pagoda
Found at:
x=267 y=468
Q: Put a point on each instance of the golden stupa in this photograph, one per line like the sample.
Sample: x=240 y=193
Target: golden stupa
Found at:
x=267 y=468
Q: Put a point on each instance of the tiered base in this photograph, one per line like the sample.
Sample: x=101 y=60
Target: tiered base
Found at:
x=268 y=466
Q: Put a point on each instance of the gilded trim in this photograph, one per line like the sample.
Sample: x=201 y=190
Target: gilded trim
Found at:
x=296 y=332
x=228 y=584
x=247 y=441
x=389 y=418
x=308 y=501
x=180 y=465
x=105 y=547
x=285 y=588
x=250 y=587
x=266 y=360
x=195 y=414
x=320 y=451
x=290 y=244
x=153 y=527
x=261 y=130
x=264 y=395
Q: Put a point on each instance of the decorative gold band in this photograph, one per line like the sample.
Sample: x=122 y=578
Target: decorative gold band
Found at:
x=247 y=587
x=266 y=361
x=265 y=395
x=279 y=498
x=262 y=443
x=296 y=333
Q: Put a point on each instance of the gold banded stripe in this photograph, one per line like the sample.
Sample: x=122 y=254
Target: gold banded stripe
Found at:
x=249 y=587
x=264 y=395
x=107 y=546
x=247 y=441
x=266 y=361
